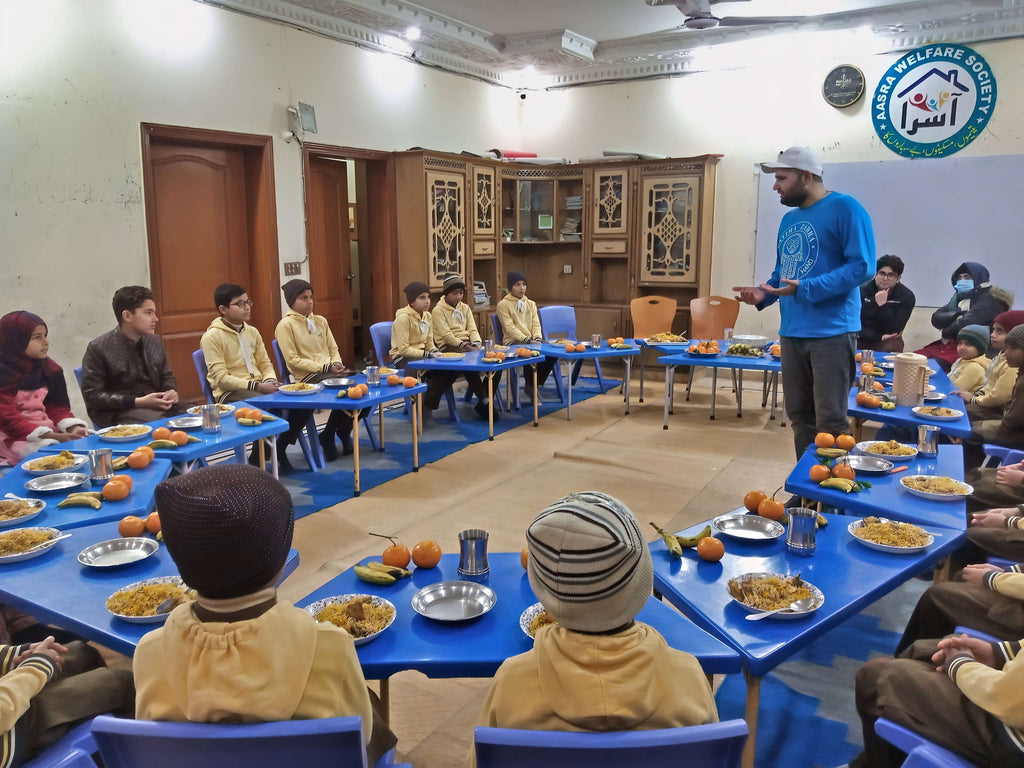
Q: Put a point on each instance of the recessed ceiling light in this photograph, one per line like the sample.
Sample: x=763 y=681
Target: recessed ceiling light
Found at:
x=412 y=33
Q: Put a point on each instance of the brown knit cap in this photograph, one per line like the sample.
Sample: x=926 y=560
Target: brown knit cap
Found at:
x=228 y=528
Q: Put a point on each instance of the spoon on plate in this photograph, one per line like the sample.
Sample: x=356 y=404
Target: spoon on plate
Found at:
x=166 y=605
x=47 y=543
x=802 y=605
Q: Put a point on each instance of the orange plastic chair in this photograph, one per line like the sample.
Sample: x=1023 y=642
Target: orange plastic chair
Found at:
x=709 y=317
x=651 y=315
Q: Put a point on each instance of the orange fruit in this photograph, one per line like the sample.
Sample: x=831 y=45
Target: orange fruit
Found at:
x=858 y=357
x=123 y=479
x=146 y=450
x=153 y=522
x=131 y=526
x=570 y=347
x=862 y=398
x=138 y=460
x=394 y=380
x=397 y=555
x=692 y=349
x=772 y=508
x=354 y=393
x=161 y=433
x=178 y=437
x=426 y=554
x=844 y=470
x=846 y=442
x=580 y=348
x=114 y=491
x=363 y=388
x=866 y=368
x=242 y=413
x=524 y=557
x=409 y=381
x=753 y=498
x=878 y=386
x=824 y=440
x=711 y=549
x=524 y=352
x=255 y=414
x=500 y=355
x=872 y=402
x=819 y=472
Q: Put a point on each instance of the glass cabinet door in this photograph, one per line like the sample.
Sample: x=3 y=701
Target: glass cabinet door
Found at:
x=670 y=218
x=483 y=201
x=536 y=211
x=610 y=191
x=445 y=227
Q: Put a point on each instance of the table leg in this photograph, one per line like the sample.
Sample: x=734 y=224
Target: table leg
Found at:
x=380 y=428
x=714 y=390
x=764 y=389
x=490 y=410
x=536 y=397
x=739 y=394
x=568 y=380
x=668 y=392
x=750 y=715
x=625 y=384
x=418 y=407
x=855 y=427
x=385 y=699
x=774 y=387
x=355 y=450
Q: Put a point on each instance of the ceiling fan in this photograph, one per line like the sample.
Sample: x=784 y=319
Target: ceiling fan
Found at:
x=698 y=15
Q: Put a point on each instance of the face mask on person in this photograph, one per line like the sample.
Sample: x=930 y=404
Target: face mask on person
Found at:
x=964 y=285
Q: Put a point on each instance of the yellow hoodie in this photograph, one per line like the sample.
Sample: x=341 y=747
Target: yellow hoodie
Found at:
x=306 y=352
x=968 y=374
x=570 y=681
x=412 y=335
x=235 y=360
x=518 y=325
x=451 y=329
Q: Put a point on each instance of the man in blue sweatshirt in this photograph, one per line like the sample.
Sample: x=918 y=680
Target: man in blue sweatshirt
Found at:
x=825 y=250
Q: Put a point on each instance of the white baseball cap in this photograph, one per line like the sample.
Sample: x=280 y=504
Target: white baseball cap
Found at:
x=797 y=158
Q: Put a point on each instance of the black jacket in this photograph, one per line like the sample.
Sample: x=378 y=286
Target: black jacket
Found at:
x=114 y=374
x=979 y=307
x=890 y=318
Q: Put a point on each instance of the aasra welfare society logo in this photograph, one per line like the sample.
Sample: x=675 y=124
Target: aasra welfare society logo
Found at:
x=934 y=101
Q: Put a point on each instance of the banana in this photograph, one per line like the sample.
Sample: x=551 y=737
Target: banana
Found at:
x=91 y=494
x=830 y=453
x=686 y=542
x=822 y=521
x=81 y=501
x=249 y=422
x=839 y=484
x=674 y=548
x=160 y=444
x=394 y=570
x=121 y=462
x=374 y=576
x=268 y=417
x=193 y=439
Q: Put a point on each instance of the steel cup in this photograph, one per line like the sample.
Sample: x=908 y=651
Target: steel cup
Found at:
x=211 y=417
x=928 y=441
x=802 y=532
x=728 y=334
x=101 y=464
x=488 y=346
x=372 y=376
x=595 y=340
x=473 y=554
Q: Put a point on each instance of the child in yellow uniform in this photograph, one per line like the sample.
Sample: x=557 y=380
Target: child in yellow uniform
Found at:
x=412 y=338
x=520 y=324
x=968 y=373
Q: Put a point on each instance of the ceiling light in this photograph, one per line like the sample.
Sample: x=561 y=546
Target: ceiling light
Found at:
x=412 y=33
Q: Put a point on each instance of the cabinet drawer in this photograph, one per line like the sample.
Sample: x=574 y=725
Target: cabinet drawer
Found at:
x=609 y=246
x=483 y=248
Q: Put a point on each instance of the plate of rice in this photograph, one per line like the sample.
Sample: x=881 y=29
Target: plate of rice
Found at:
x=124 y=433
x=887 y=449
x=18 y=511
x=936 y=487
x=137 y=602
x=890 y=535
x=533 y=618
x=65 y=461
x=937 y=413
x=761 y=592
x=17 y=545
x=362 y=616
x=300 y=388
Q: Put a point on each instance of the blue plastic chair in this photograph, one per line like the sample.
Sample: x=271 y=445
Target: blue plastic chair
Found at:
x=1002 y=453
x=380 y=335
x=961 y=630
x=512 y=374
x=308 y=438
x=73 y=750
x=335 y=741
x=921 y=753
x=78 y=378
x=199 y=361
x=716 y=745
x=560 y=320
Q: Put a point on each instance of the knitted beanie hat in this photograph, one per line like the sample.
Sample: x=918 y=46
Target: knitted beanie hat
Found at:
x=1016 y=337
x=228 y=528
x=975 y=335
x=293 y=289
x=588 y=562
x=1010 y=319
x=452 y=283
x=414 y=289
x=514 y=277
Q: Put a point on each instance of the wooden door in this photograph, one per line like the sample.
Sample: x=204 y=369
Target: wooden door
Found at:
x=210 y=219
x=329 y=246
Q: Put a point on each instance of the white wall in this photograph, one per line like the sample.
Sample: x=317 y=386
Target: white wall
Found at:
x=77 y=79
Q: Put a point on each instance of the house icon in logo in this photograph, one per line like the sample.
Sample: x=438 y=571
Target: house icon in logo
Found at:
x=930 y=101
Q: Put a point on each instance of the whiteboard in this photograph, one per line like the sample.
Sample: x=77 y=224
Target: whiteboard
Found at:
x=934 y=214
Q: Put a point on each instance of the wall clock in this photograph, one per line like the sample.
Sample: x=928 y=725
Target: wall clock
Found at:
x=843 y=86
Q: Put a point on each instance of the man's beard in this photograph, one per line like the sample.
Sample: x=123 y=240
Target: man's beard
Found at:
x=794 y=199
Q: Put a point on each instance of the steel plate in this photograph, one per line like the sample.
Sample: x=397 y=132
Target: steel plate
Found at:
x=862 y=463
x=185 y=422
x=739 y=525
x=454 y=601
x=62 y=481
x=115 y=552
x=334 y=383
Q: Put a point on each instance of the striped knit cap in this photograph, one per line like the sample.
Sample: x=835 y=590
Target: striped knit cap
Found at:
x=1016 y=337
x=588 y=562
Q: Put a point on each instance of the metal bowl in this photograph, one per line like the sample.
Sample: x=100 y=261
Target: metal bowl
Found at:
x=753 y=341
x=863 y=463
x=62 y=481
x=338 y=382
x=454 y=601
x=185 y=422
x=747 y=527
x=115 y=552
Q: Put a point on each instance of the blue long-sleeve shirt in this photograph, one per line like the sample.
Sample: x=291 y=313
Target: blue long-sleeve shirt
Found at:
x=830 y=248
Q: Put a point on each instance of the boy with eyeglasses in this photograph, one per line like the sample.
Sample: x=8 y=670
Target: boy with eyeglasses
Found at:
x=885 y=307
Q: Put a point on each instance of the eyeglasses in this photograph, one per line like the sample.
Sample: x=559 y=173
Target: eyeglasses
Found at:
x=242 y=303
x=886 y=274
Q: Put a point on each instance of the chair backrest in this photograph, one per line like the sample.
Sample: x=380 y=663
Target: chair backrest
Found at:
x=717 y=745
x=920 y=751
x=499 y=334
x=282 y=368
x=558 y=320
x=335 y=741
x=1013 y=457
x=380 y=335
x=711 y=315
x=199 y=360
x=78 y=376
x=651 y=315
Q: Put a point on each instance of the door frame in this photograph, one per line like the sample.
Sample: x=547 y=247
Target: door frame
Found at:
x=261 y=209
x=378 y=228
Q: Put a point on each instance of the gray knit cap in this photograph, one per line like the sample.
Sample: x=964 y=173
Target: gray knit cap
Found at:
x=452 y=283
x=228 y=528
x=588 y=562
x=975 y=335
x=1016 y=337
